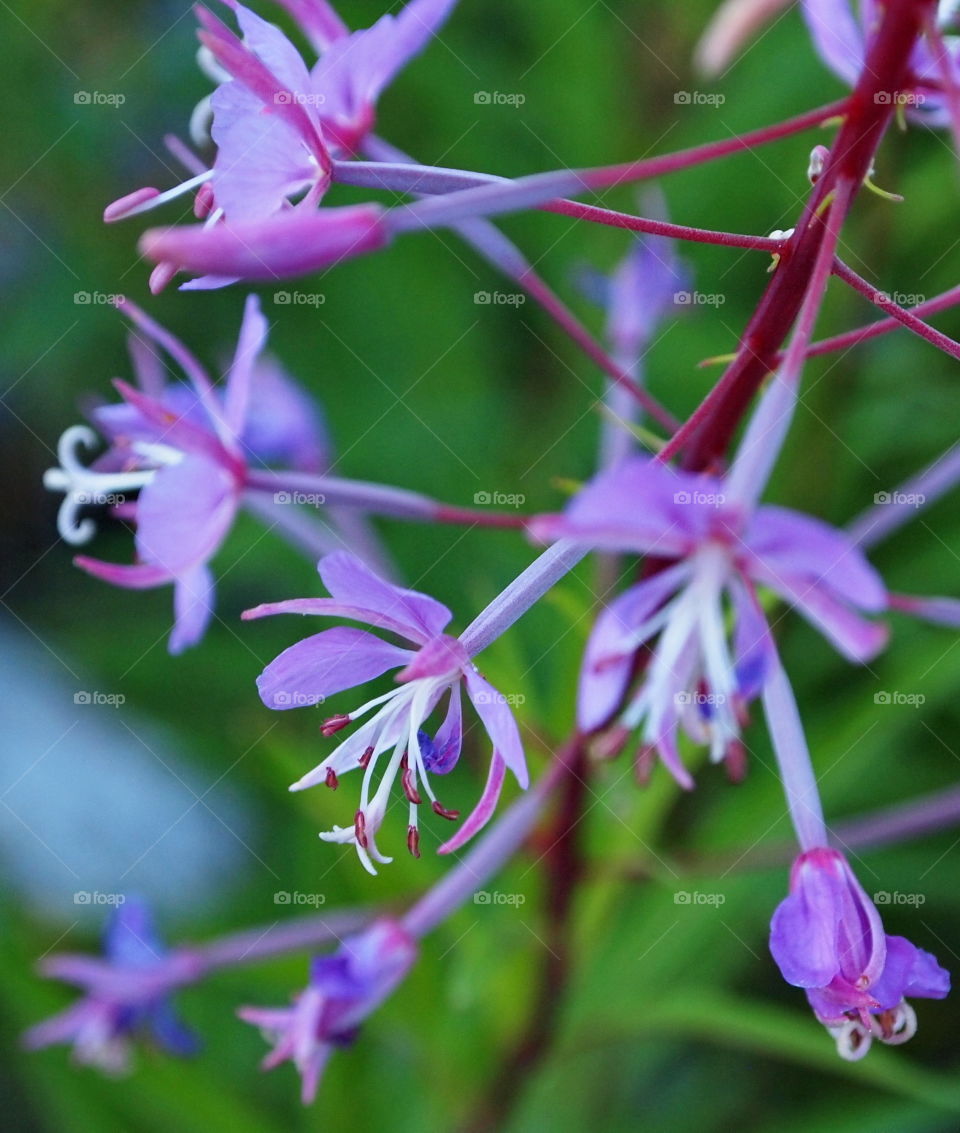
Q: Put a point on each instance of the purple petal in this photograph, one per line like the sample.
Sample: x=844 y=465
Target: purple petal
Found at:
x=610 y=652
x=641 y=293
x=273 y=49
x=939 y=611
x=640 y=505
x=253 y=336
x=353 y=583
x=193 y=596
x=482 y=812
x=799 y=546
x=171 y=427
x=449 y=738
x=837 y=36
x=319 y=21
x=325 y=664
x=284 y=424
x=328 y=607
x=261 y=159
x=184 y=514
x=927 y=979
x=296 y=242
x=753 y=646
x=804 y=930
x=136 y=576
x=854 y=636
x=891 y=987
x=493 y=710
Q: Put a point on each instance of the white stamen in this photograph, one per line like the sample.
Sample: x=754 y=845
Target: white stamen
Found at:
x=83 y=486
x=170 y=194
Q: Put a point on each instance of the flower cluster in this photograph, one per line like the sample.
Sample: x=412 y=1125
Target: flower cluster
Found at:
x=680 y=653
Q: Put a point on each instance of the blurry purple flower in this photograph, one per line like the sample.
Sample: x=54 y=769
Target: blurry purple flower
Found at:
x=186 y=449
x=338 y=659
x=277 y=126
x=827 y=937
x=722 y=546
x=841 y=32
x=126 y=995
x=343 y=990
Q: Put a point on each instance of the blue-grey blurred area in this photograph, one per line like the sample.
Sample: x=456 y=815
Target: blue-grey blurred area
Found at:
x=98 y=800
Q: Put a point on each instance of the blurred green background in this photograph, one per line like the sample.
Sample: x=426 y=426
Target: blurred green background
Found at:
x=676 y=1016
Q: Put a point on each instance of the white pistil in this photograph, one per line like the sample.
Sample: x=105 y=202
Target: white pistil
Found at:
x=169 y=195
x=83 y=486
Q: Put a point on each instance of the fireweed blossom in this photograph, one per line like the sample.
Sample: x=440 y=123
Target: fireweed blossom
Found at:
x=185 y=448
x=719 y=546
x=277 y=124
x=126 y=995
x=826 y=936
x=341 y=658
x=344 y=988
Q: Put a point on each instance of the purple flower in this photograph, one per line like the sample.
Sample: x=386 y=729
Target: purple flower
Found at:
x=827 y=937
x=278 y=125
x=431 y=666
x=343 y=990
x=719 y=548
x=841 y=33
x=186 y=450
x=126 y=994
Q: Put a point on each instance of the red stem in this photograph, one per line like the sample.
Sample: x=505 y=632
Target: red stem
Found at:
x=707 y=434
x=900 y=314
